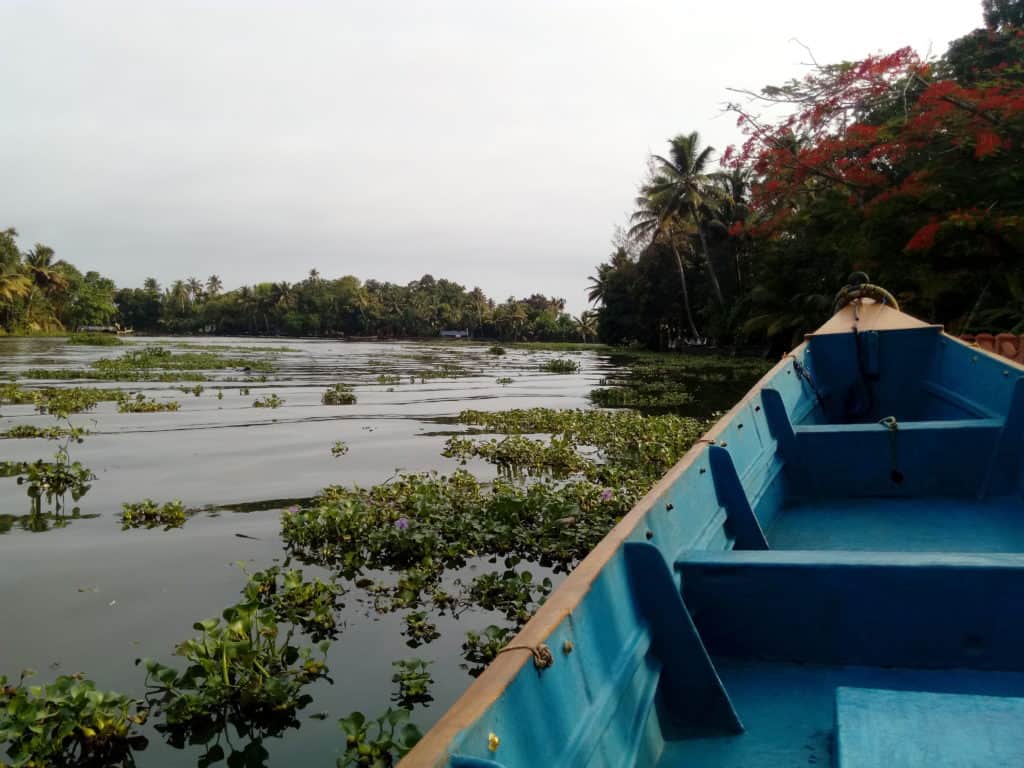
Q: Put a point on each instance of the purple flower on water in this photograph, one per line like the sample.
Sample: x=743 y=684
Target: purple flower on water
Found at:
x=292 y=510
x=402 y=523
x=606 y=494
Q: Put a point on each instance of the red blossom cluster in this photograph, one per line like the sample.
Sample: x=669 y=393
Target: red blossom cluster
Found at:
x=873 y=131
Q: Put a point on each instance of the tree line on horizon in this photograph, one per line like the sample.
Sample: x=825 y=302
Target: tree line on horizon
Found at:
x=42 y=294
x=909 y=170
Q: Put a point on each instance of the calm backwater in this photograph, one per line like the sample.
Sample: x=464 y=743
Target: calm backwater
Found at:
x=92 y=598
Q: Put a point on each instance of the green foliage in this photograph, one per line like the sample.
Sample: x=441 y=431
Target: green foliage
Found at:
x=68 y=723
x=444 y=371
x=155 y=363
x=379 y=743
x=496 y=350
x=481 y=648
x=515 y=594
x=142 y=404
x=648 y=396
x=412 y=676
x=310 y=605
x=503 y=380
x=57 y=401
x=560 y=365
x=50 y=480
x=95 y=339
x=15 y=394
x=268 y=401
x=148 y=514
x=418 y=630
x=338 y=449
x=339 y=394
x=386 y=378
x=20 y=431
x=242 y=669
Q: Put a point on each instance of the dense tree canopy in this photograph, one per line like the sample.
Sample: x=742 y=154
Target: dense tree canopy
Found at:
x=907 y=169
x=40 y=293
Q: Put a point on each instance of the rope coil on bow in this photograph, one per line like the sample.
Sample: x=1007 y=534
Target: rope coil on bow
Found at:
x=850 y=293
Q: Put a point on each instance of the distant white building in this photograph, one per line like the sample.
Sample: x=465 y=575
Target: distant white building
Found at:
x=459 y=334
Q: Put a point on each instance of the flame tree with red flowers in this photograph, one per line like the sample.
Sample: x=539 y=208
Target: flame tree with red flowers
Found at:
x=907 y=169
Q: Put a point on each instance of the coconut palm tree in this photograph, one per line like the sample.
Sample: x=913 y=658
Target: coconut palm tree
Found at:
x=586 y=325
x=663 y=224
x=214 y=285
x=195 y=289
x=44 y=277
x=681 y=187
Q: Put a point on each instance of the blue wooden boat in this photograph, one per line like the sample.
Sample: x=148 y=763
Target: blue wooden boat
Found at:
x=833 y=576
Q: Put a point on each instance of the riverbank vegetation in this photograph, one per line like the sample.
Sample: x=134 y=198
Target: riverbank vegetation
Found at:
x=902 y=167
x=42 y=294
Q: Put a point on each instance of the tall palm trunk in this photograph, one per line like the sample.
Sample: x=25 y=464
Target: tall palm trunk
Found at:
x=712 y=275
x=686 y=293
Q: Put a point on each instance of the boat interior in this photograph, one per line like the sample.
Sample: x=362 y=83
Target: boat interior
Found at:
x=836 y=580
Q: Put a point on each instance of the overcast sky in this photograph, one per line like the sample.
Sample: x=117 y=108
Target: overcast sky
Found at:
x=496 y=144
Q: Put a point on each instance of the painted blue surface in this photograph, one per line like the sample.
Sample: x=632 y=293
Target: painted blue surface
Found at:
x=927 y=730
x=811 y=548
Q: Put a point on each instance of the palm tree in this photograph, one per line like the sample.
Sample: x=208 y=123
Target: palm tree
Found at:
x=195 y=289
x=653 y=220
x=43 y=275
x=586 y=325
x=178 y=294
x=214 y=285
x=681 y=187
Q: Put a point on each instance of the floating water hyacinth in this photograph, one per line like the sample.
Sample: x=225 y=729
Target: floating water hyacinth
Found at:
x=606 y=494
x=402 y=523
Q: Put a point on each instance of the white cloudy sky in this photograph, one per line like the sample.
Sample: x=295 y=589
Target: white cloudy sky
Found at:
x=497 y=144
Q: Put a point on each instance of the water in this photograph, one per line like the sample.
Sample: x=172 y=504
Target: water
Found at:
x=92 y=598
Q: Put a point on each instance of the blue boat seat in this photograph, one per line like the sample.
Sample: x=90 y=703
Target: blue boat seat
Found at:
x=907 y=609
x=918 y=729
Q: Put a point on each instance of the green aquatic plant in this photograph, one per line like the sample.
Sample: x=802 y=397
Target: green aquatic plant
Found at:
x=50 y=480
x=338 y=394
x=15 y=394
x=481 y=648
x=516 y=594
x=418 y=630
x=496 y=350
x=68 y=723
x=92 y=339
x=61 y=402
x=443 y=371
x=22 y=431
x=413 y=678
x=142 y=404
x=148 y=514
x=661 y=395
x=154 y=363
x=310 y=605
x=242 y=670
x=339 y=449
x=197 y=390
x=560 y=365
x=268 y=401
x=518 y=455
x=378 y=743
x=243 y=390
x=387 y=378
x=504 y=380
